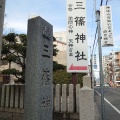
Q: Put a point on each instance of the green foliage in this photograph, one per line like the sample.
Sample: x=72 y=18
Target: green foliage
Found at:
x=57 y=66
x=12 y=71
x=62 y=77
x=11 y=37
x=14 y=50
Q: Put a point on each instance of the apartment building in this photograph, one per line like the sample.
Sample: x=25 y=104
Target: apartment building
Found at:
x=105 y=62
x=111 y=67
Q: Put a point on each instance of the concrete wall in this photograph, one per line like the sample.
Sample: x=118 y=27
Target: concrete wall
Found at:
x=60 y=36
x=61 y=57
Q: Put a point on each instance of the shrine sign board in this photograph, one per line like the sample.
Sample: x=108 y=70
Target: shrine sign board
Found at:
x=77 y=50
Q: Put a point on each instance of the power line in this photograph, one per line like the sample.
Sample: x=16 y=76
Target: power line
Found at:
x=95 y=46
x=92 y=21
x=107 y=2
x=101 y=2
x=94 y=39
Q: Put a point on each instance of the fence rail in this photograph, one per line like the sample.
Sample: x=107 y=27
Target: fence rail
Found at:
x=65 y=100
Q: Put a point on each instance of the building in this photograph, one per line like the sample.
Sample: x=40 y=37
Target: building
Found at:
x=61 y=45
x=60 y=36
x=105 y=62
x=111 y=68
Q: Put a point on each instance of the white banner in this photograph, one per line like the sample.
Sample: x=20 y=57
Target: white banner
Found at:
x=77 y=51
x=106 y=22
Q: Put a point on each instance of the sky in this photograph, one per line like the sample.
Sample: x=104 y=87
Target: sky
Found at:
x=54 y=11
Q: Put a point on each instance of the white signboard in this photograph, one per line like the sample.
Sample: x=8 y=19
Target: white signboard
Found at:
x=77 y=53
x=106 y=22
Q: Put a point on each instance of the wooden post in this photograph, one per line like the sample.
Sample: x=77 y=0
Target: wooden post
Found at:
x=74 y=79
x=74 y=82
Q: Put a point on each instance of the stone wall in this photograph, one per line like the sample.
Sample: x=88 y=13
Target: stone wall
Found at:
x=11 y=116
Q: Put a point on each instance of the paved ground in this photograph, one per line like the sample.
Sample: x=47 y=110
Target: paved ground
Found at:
x=97 y=114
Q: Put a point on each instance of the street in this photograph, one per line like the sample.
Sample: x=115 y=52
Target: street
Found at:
x=112 y=102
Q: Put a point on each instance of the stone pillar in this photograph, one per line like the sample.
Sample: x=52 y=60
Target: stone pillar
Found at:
x=71 y=99
x=2 y=11
x=39 y=70
x=86 y=103
x=57 y=98
x=77 y=97
x=64 y=98
x=87 y=81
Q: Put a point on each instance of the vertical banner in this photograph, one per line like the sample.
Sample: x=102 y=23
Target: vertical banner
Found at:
x=94 y=62
x=77 y=53
x=106 y=23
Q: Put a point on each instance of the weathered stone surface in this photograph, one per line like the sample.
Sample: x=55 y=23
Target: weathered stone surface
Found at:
x=11 y=116
x=77 y=97
x=3 y=96
x=17 y=116
x=7 y=101
x=39 y=70
x=57 y=98
x=71 y=99
x=22 y=96
x=87 y=81
x=16 y=96
x=12 y=95
x=64 y=98
x=5 y=116
x=86 y=103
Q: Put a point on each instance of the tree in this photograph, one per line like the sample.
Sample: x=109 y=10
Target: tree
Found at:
x=62 y=77
x=56 y=66
x=14 y=50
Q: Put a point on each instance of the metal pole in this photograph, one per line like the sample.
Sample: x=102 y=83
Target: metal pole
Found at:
x=95 y=8
x=2 y=10
x=100 y=65
x=91 y=62
x=113 y=59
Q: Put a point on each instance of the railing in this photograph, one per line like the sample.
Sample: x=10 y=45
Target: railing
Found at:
x=65 y=98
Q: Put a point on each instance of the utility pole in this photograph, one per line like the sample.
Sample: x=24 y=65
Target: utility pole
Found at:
x=100 y=65
x=113 y=67
x=91 y=63
x=2 y=11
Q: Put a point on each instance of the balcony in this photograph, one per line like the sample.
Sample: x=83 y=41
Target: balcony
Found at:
x=116 y=68
x=118 y=78
x=116 y=63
